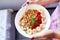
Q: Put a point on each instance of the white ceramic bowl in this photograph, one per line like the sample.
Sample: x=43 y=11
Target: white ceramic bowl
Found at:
x=21 y=12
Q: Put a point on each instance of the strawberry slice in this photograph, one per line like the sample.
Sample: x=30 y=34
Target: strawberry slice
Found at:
x=39 y=21
x=38 y=13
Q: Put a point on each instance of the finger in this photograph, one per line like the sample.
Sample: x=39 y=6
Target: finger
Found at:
x=46 y=34
x=24 y=4
x=40 y=2
x=39 y=38
x=32 y=38
x=42 y=38
x=37 y=3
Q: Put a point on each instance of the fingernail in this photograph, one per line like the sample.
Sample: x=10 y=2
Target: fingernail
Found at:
x=27 y=2
x=32 y=38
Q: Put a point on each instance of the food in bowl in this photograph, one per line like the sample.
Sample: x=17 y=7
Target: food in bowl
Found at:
x=32 y=21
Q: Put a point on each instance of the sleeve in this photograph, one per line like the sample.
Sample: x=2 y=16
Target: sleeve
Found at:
x=7 y=31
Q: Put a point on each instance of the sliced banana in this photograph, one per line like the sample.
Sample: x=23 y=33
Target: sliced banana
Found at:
x=43 y=15
x=44 y=20
x=42 y=26
x=38 y=29
x=34 y=31
x=29 y=31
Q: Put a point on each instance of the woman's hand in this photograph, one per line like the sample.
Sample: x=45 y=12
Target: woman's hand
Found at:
x=47 y=34
x=44 y=35
x=41 y=2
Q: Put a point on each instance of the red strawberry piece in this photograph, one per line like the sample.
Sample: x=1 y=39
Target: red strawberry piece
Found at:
x=38 y=13
x=39 y=21
x=32 y=27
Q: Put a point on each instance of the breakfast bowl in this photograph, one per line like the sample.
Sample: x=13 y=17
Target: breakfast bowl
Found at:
x=32 y=20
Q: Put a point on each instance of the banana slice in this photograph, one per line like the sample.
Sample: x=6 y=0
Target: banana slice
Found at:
x=29 y=31
x=44 y=20
x=38 y=29
x=34 y=31
x=42 y=26
x=43 y=15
